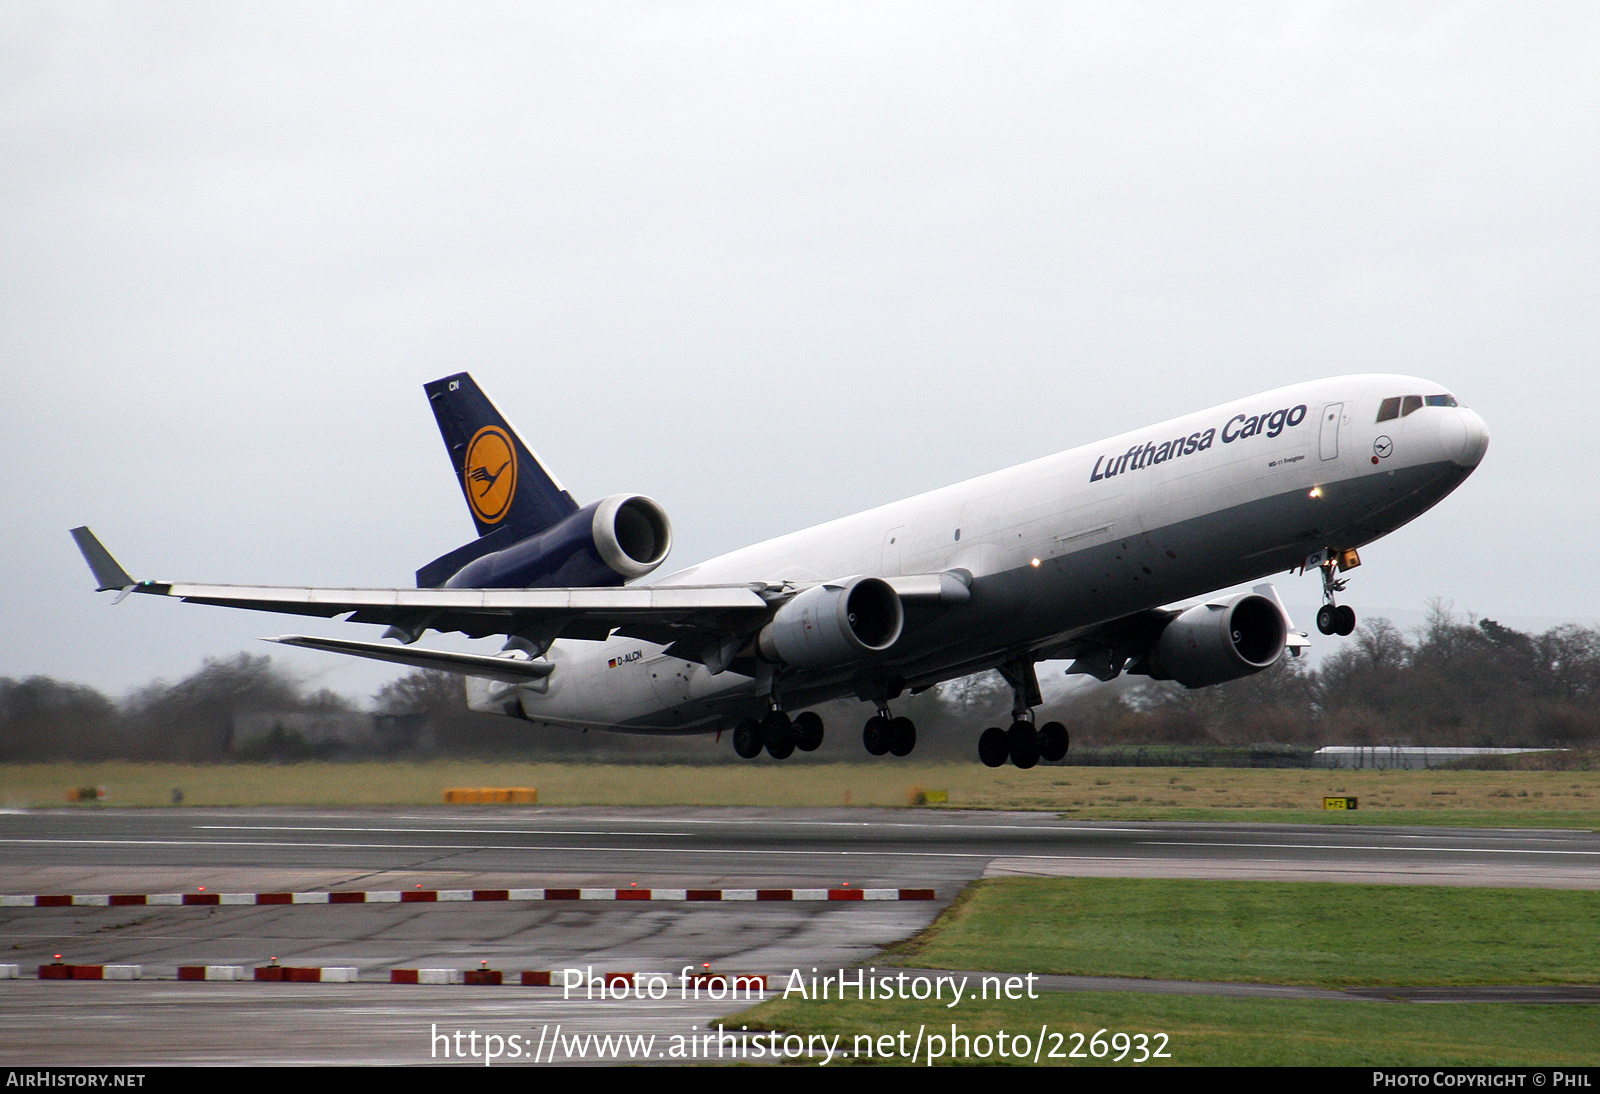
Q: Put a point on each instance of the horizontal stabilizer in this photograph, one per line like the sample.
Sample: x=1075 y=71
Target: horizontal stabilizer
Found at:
x=510 y=670
x=105 y=568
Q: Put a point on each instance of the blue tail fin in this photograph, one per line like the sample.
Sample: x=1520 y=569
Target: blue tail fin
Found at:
x=506 y=488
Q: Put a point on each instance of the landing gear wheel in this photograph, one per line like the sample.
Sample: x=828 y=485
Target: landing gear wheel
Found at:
x=1328 y=619
x=902 y=736
x=1053 y=741
x=1335 y=618
x=807 y=731
x=1346 y=623
x=779 y=732
x=875 y=735
x=1022 y=741
x=747 y=738
x=992 y=747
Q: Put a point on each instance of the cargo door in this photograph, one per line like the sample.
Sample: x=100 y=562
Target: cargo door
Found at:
x=1330 y=430
x=669 y=678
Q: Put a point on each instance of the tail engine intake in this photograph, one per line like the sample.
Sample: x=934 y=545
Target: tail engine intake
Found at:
x=608 y=542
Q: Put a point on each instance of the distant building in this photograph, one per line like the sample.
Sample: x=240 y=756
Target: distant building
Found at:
x=1404 y=757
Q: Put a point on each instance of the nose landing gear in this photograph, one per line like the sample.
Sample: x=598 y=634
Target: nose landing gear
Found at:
x=1332 y=617
x=1336 y=619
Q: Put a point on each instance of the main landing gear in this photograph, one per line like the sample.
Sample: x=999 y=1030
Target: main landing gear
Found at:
x=1024 y=744
x=779 y=734
x=897 y=736
x=1334 y=618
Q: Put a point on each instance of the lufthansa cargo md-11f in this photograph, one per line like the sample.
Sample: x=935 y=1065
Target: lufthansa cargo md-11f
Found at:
x=1075 y=556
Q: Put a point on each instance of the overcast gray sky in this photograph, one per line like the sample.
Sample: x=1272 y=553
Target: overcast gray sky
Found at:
x=768 y=263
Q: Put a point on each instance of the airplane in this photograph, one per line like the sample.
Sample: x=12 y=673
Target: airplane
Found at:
x=1078 y=556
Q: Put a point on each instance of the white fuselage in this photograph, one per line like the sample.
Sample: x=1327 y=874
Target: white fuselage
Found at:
x=1056 y=547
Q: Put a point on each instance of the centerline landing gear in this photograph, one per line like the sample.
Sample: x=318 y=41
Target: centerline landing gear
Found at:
x=1332 y=617
x=1024 y=744
x=882 y=733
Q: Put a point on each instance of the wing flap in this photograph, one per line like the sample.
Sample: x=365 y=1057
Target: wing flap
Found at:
x=587 y=613
x=623 y=600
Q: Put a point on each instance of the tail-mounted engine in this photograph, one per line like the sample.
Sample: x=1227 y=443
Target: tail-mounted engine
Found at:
x=617 y=539
x=631 y=534
x=833 y=623
x=1214 y=643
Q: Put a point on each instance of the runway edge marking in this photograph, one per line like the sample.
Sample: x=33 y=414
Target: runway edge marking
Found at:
x=428 y=896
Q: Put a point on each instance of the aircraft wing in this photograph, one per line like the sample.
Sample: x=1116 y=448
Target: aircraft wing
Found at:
x=479 y=613
x=706 y=623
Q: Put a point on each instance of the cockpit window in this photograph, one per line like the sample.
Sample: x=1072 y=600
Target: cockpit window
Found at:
x=1401 y=405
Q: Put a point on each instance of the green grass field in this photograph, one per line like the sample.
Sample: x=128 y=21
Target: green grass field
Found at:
x=1202 y=1031
x=1544 y=799
x=1273 y=932
x=1263 y=932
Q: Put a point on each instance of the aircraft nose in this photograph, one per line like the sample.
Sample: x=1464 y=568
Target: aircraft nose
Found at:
x=1464 y=437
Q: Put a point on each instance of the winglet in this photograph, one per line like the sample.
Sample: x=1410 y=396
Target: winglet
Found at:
x=105 y=568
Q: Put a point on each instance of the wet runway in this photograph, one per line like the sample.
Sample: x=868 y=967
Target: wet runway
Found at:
x=48 y=851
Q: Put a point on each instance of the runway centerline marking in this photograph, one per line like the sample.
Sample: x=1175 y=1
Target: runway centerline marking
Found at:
x=618 y=832
x=449 y=831
x=503 y=847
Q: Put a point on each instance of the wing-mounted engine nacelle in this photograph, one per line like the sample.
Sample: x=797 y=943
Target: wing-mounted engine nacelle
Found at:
x=1222 y=641
x=616 y=539
x=833 y=624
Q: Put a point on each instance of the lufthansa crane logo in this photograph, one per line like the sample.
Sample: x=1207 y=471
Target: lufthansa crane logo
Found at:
x=490 y=473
